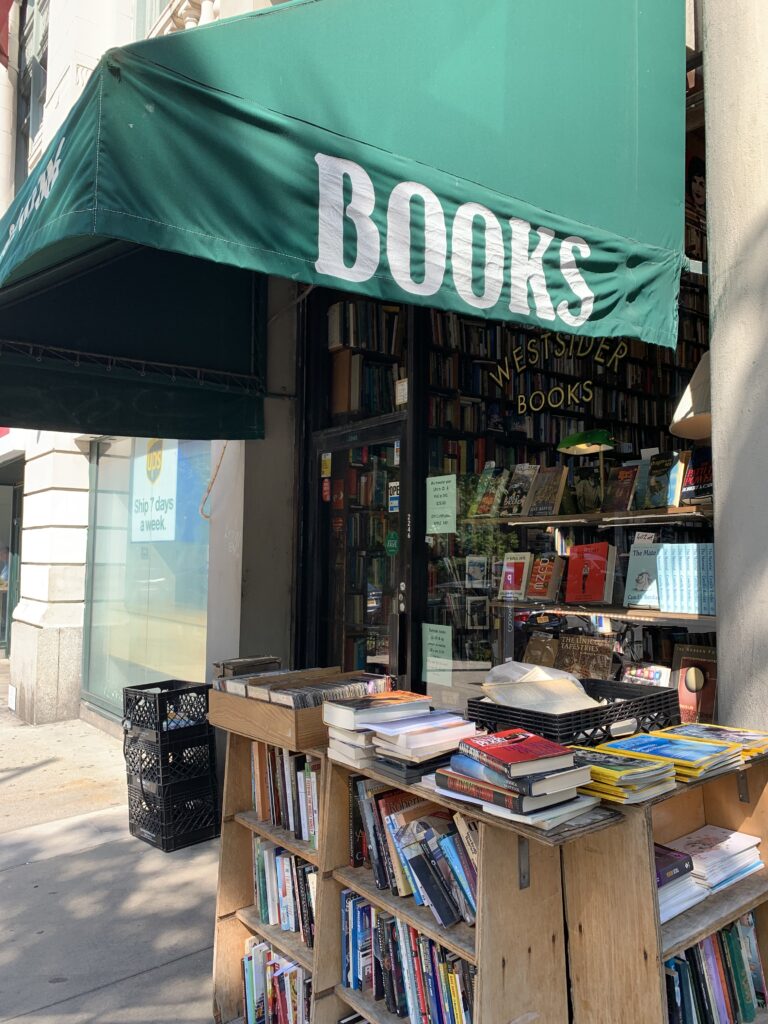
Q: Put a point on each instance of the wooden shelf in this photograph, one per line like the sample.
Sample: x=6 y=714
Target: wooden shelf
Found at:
x=661 y=516
x=278 y=835
x=375 y=1012
x=459 y=938
x=713 y=913
x=287 y=942
x=707 y=622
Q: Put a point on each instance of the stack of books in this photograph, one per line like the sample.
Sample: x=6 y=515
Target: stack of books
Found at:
x=409 y=748
x=693 y=759
x=517 y=775
x=284 y=889
x=752 y=743
x=678 y=889
x=621 y=779
x=415 y=848
x=720 y=856
x=351 y=722
x=284 y=785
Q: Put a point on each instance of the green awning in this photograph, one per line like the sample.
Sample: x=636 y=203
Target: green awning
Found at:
x=516 y=160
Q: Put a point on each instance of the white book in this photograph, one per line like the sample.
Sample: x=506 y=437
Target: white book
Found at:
x=334 y=755
x=358 y=755
x=367 y=712
x=302 y=791
x=270 y=870
x=431 y=738
x=355 y=738
x=417 y=723
x=711 y=846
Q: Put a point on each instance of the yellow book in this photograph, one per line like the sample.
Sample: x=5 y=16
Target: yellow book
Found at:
x=753 y=742
x=689 y=755
x=453 y=988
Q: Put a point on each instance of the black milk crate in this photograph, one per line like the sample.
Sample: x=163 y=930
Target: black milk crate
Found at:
x=187 y=816
x=162 y=768
x=156 y=711
x=650 y=707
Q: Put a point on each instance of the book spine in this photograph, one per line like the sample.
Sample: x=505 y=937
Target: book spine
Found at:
x=366 y=813
x=450 y=845
x=401 y=1006
x=387 y=977
x=409 y=980
x=470 y=787
x=425 y=960
x=672 y=871
x=313 y=789
x=304 y=915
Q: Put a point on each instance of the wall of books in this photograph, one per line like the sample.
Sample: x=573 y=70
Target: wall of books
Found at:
x=564 y=524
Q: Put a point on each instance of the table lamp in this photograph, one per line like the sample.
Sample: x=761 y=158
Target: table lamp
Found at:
x=693 y=415
x=589 y=442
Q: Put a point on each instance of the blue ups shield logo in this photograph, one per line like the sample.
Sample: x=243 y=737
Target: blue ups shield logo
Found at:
x=154 y=458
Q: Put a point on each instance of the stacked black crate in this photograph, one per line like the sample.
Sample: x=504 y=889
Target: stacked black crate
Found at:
x=170 y=762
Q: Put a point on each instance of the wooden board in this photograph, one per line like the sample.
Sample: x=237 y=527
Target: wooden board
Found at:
x=237 y=777
x=289 y=943
x=713 y=913
x=681 y=814
x=235 y=888
x=271 y=723
x=287 y=840
x=520 y=936
x=228 y=949
x=614 y=939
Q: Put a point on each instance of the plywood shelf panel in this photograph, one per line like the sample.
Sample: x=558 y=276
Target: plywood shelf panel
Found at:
x=713 y=913
x=288 y=943
x=278 y=835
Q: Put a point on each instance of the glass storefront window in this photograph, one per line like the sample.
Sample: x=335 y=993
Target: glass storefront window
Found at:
x=146 y=614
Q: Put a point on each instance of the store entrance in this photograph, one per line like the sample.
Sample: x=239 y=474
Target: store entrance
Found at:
x=359 y=572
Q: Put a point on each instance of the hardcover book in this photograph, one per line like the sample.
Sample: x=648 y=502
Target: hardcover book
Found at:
x=586 y=486
x=670 y=864
x=546 y=577
x=665 y=479
x=483 y=483
x=694 y=672
x=541 y=650
x=548 y=491
x=587 y=657
x=517 y=752
x=476 y=577
x=620 y=488
x=517 y=500
x=697 y=485
x=490 y=500
x=514 y=575
x=642 y=587
x=590 y=574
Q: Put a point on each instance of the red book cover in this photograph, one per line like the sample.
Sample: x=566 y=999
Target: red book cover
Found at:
x=462 y=784
x=546 y=576
x=511 y=749
x=413 y=937
x=587 y=573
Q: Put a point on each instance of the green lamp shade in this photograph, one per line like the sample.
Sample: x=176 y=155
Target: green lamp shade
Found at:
x=587 y=442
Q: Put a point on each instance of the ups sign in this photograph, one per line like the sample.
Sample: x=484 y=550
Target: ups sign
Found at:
x=154 y=458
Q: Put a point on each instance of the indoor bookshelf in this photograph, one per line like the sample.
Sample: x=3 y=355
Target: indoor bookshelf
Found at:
x=617 y=947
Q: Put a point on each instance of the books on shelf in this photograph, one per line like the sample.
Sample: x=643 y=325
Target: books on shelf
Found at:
x=311 y=688
x=541 y=783
x=693 y=759
x=517 y=500
x=672 y=577
x=752 y=742
x=590 y=576
x=285 y=786
x=677 y=888
x=642 y=586
x=384 y=957
x=621 y=779
x=489 y=501
x=484 y=483
x=620 y=487
x=671 y=864
x=515 y=752
x=515 y=574
x=586 y=488
x=545 y=578
x=720 y=856
x=548 y=490
x=285 y=889
x=276 y=989
x=462 y=785
x=694 y=673
x=365 y=712
x=719 y=979
x=665 y=479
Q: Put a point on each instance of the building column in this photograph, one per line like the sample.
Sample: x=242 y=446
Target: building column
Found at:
x=47 y=629
x=736 y=83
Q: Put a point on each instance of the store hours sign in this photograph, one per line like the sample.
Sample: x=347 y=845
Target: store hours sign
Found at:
x=153 y=490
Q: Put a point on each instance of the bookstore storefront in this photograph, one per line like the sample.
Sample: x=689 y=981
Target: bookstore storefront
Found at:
x=472 y=307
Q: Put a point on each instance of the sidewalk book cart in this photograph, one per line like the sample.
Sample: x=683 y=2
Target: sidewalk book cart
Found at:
x=617 y=947
x=518 y=943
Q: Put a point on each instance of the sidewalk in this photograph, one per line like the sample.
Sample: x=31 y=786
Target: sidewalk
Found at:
x=99 y=928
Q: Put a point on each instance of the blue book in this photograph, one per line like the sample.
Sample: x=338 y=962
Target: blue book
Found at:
x=448 y=846
x=642 y=587
x=346 y=896
x=690 y=753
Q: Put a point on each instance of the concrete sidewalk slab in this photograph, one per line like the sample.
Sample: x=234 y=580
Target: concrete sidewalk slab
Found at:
x=65 y=837
x=77 y=922
x=176 y=993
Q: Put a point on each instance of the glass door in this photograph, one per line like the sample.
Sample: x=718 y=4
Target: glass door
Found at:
x=360 y=587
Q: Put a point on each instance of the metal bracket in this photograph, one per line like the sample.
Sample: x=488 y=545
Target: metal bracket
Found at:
x=523 y=863
x=742 y=781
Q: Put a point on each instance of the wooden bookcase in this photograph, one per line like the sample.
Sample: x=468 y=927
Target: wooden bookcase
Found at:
x=617 y=947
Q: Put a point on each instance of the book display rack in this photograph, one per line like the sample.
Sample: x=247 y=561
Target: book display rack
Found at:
x=617 y=948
